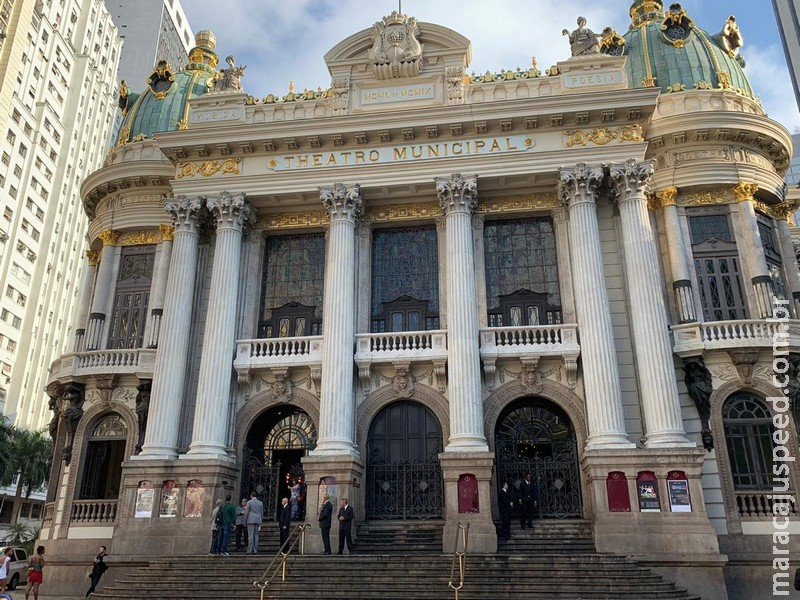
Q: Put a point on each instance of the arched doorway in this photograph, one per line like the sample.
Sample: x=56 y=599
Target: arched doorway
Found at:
x=404 y=477
x=105 y=453
x=275 y=446
x=535 y=436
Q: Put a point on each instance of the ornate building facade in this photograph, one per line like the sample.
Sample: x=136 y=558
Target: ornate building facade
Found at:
x=416 y=284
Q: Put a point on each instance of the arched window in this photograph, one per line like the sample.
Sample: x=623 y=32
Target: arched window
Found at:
x=105 y=453
x=748 y=434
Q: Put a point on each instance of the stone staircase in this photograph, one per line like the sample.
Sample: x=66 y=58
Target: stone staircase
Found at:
x=552 y=561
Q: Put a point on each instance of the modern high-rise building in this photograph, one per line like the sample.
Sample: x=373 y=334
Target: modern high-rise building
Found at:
x=786 y=12
x=57 y=100
x=152 y=30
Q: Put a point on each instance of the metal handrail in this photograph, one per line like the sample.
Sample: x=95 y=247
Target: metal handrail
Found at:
x=459 y=558
x=297 y=535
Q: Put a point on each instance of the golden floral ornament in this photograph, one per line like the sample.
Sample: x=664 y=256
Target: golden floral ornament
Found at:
x=167 y=232
x=676 y=87
x=703 y=85
x=312 y=218
x=604 y=135
x=229 y=166
x=139 y=238
x=109 y=237
x=744 y=191
x=665 y=197
x=706 y=198
x=784 y=211
x=93 y=257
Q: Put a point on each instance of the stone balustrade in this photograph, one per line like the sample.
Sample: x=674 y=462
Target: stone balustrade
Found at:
x=757 y=505
x=692 y=338
x=139 y=361
x=93 y=511
x=278 y=353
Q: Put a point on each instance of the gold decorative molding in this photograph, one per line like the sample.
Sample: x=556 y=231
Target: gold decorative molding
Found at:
x=662 y=198
x=109 y=237
x=744 y=191
x=397 y=212
x=139 y=238
x=604 y=135
x=784 y=211
x=230 y=166
x=93 y=257
x=543 y=201
x=311 y=218
x=706 y=198
x=167 y=232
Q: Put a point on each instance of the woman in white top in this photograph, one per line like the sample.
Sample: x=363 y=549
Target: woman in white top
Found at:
x=5 y=561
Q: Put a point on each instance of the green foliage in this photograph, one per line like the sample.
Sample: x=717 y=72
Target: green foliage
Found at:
x=17 y=534
x=25 y=453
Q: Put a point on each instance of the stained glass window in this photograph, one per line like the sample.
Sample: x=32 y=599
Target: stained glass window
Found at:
x=520 y=260
x=294 y=270
x=748 y=435
x=405 y=265
x=709 y=227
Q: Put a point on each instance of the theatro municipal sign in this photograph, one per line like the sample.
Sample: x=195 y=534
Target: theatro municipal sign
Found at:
x=402 y=153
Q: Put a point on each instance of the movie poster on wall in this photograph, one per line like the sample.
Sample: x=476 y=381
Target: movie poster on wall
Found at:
x=169 y=500
x=145 y=499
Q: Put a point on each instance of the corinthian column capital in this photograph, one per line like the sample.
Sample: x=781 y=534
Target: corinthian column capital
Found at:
x=744 y=191
x=578 y=184
x=458 y=193
x=109 y=237
x=666 y=197
x=186 y=212
x=231 y=211
x=343 y=203
x=630 y=179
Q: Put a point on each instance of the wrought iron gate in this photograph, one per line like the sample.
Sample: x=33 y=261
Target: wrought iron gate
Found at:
x=404 y=490
x=264 y=481
x=538 y=439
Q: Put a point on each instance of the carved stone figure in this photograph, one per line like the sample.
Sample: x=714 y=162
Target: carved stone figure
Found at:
x=55 y=393
x=396 y=51
x=403 y=383
x=230 y=79
x=583 y=41
x=699 y=386
x=71 y=415
x=530 y=378
x=282 y=388
x=142 y=410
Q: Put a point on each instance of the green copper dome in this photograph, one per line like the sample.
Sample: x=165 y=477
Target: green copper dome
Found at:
x=163 y=105
x=666 y=49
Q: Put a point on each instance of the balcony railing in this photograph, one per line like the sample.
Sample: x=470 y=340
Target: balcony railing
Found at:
x=693 y=338
x=530 y=342
x=757 y=505
x=401 y=348
x=278 y=353
x=93 y=511
x=99 y=362
x=49 y=510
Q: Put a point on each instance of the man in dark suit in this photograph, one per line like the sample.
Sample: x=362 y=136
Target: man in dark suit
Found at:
x=506 y=502
x=325 y=517
x=345 y=526
x=527 y=498
x=285 y=521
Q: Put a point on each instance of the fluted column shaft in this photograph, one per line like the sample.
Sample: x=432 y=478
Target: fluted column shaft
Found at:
x=102 y=290
x=337 y=399
x=788 y=257
x=653 y=350
x=209 y=433
x=678 y=256
x=89 y=274
x=458 y=197
x=160 y=285
x=169 y=373
x=577 y=187
x=753 y=250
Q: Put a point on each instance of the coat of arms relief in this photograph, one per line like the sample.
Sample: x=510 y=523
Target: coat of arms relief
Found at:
x=396 y=52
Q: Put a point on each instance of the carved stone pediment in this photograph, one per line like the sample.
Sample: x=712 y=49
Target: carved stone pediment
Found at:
x=396 y=51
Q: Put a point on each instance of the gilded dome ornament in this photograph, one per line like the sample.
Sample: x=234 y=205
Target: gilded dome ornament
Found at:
x=161 y=79
x=612 y=43
x=676 y=26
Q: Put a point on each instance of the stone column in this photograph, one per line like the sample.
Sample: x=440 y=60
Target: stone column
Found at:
x=337 y=399
x=577 y=187
x=458 y=197
x=160 y=285
x=783 y=212
x=753 y=251
x=209 y=433
x=104 y=287
x=679 y=255
x=92 y=258
x=653 y=348
x=169 y=373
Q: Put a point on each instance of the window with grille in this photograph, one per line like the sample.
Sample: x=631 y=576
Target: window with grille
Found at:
x=521 y=265
x=717 y=267
x=129 y=315
x=405 y=279
x=748 y=434
x=772 y=254
x=292 y=285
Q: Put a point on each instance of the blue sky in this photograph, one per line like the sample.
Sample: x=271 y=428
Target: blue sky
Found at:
x=282 y=41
